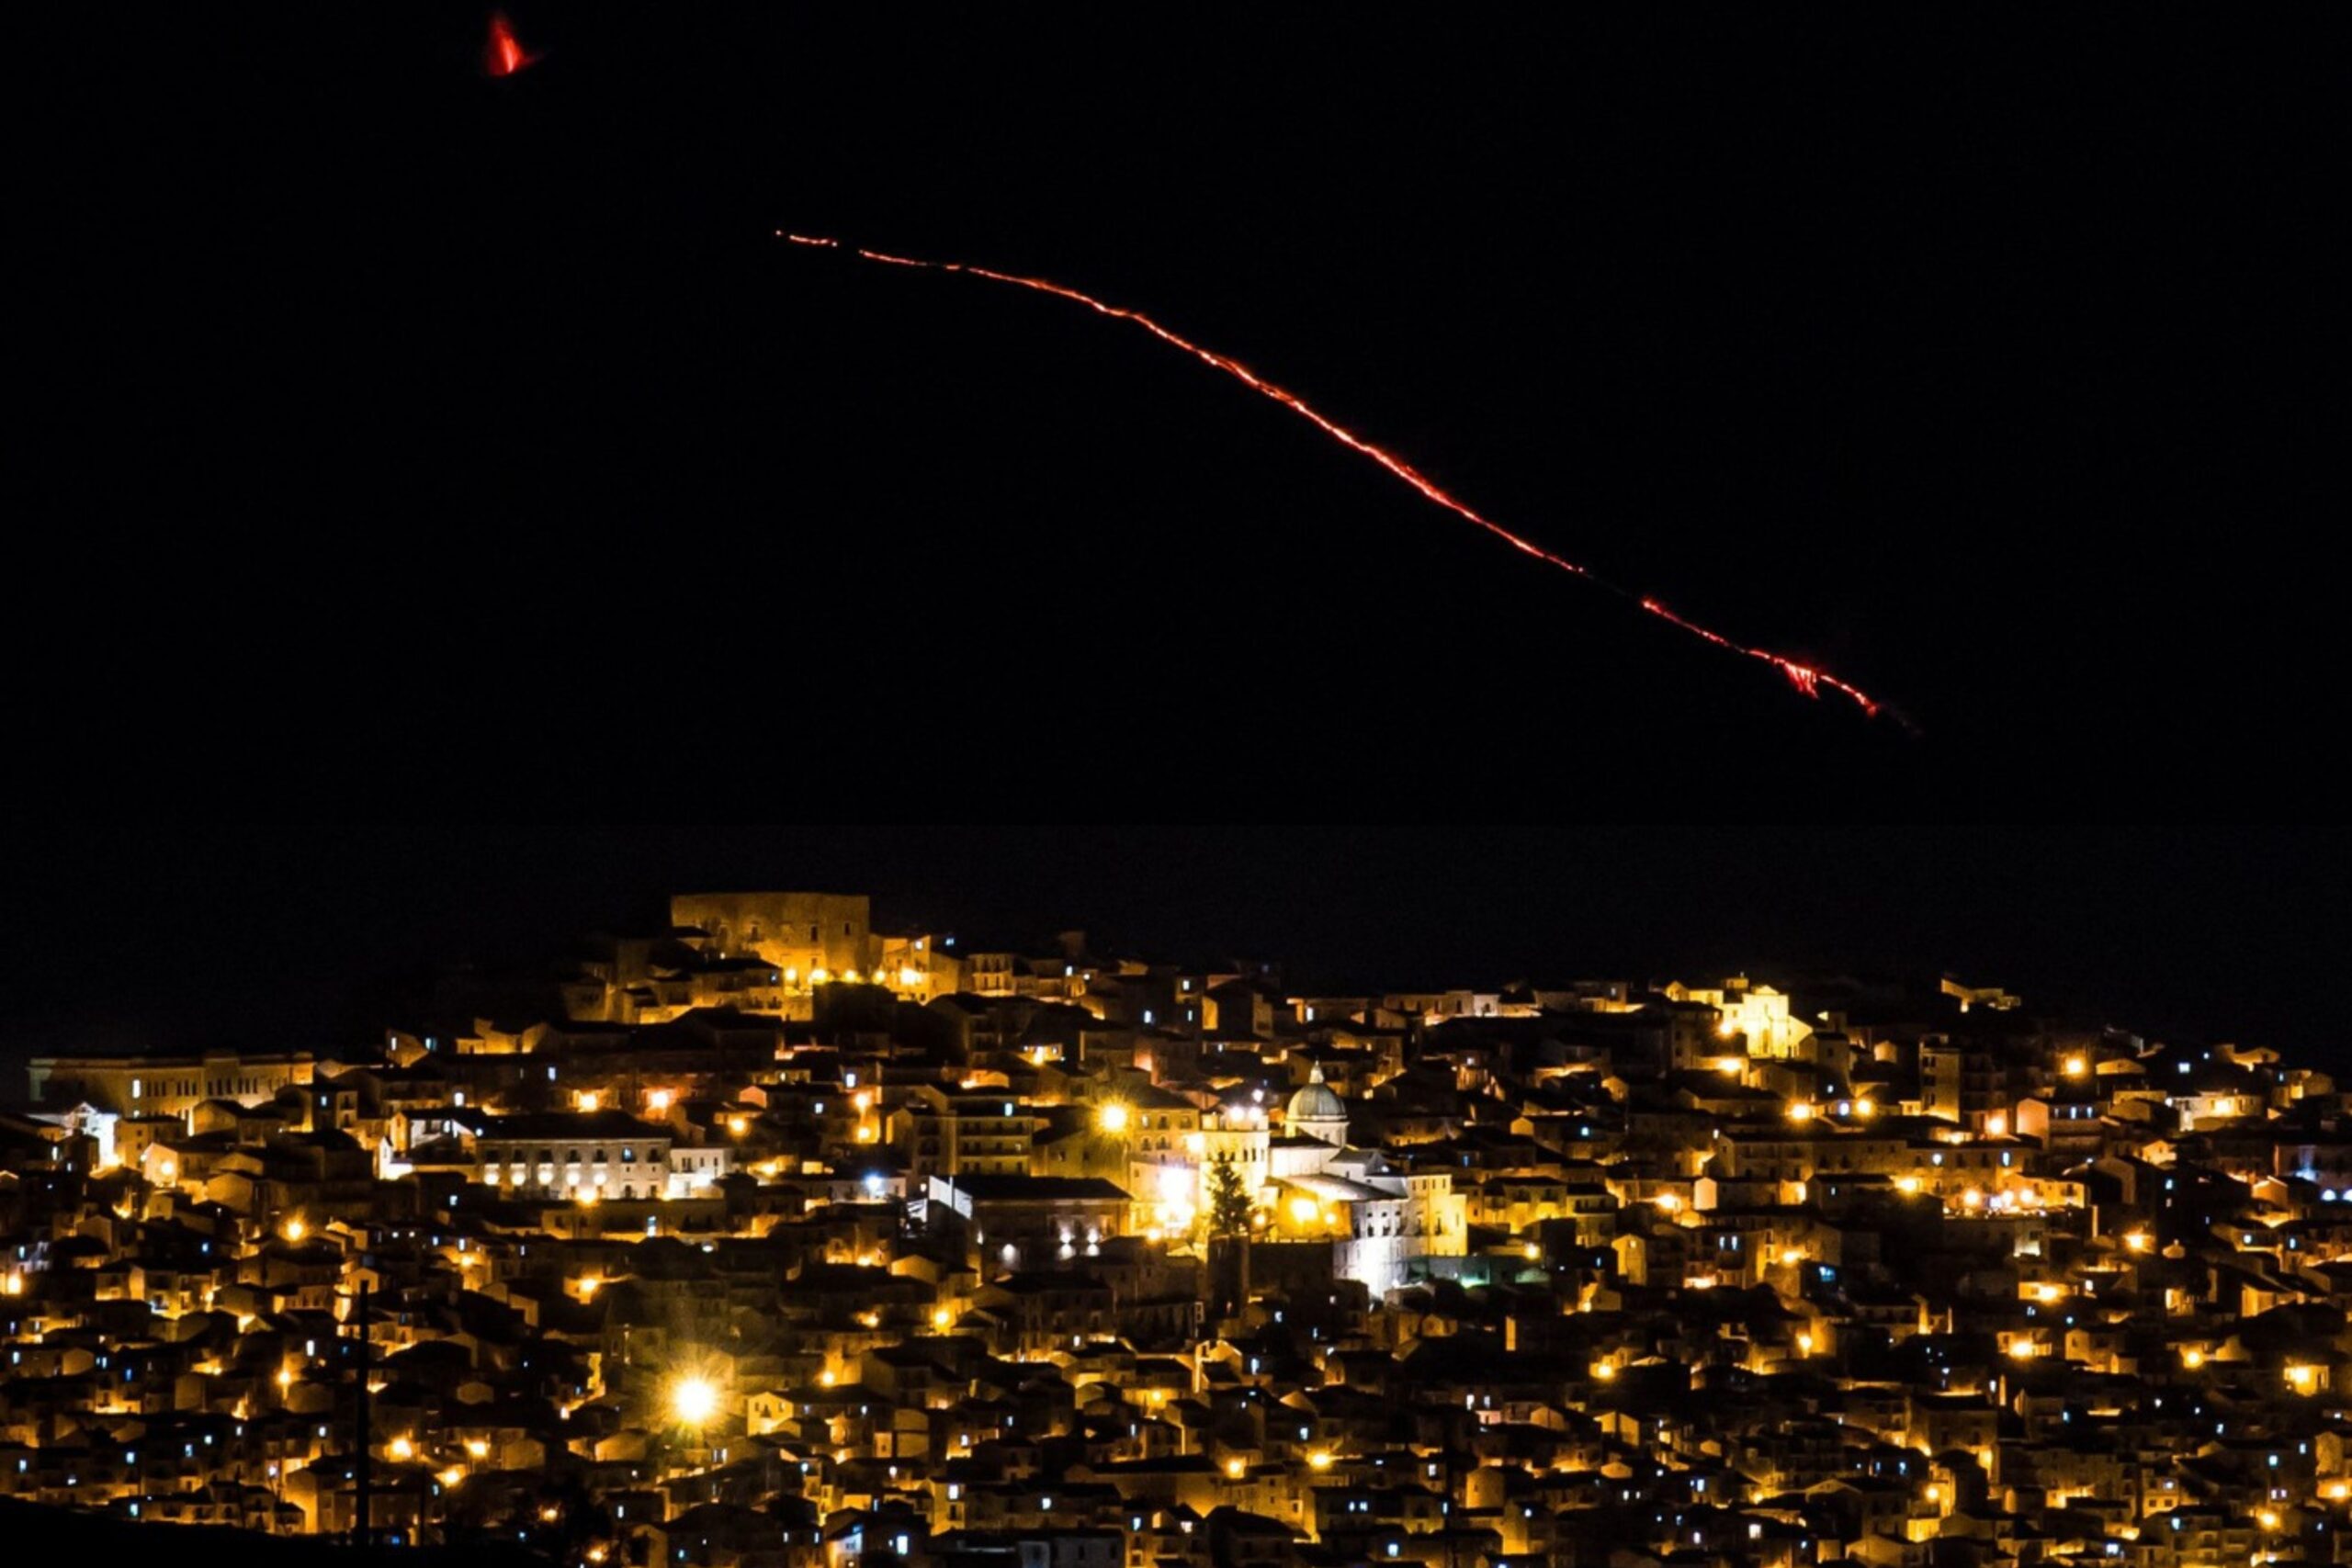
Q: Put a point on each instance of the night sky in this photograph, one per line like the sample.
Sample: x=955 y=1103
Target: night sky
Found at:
x=477 y=437
x=174 y=937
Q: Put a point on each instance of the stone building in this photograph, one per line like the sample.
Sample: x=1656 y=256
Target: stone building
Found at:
x=167 y=1086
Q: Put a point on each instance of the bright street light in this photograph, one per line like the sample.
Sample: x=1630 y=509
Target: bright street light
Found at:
x=693 y=1401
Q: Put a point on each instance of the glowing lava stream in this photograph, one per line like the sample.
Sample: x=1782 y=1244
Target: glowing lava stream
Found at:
x=505 y=54
x=1804 y=677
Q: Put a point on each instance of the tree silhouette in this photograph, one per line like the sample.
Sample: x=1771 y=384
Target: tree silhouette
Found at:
x=1228 y=1201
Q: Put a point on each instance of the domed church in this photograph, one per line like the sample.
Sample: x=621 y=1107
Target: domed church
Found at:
x=1315 y=1112
x=1381 y=1222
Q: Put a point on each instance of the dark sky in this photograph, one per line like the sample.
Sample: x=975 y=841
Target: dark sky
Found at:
x=419 y=430
x=170 y=936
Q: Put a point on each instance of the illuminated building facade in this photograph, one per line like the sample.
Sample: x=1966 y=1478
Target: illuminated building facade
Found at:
x=598 y=1155
x=168 y=1085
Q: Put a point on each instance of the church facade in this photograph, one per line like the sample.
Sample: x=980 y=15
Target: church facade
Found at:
x=1380 y=1219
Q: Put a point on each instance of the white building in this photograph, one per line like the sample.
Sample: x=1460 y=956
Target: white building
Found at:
x=1380 y=1219
x=600 y=1154
x=693 y=1167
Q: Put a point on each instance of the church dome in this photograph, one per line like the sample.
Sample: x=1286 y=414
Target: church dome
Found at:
x=1315 y=1112
x=1315 y=1102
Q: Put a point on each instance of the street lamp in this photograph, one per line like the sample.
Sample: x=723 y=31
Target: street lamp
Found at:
x=693 y=1401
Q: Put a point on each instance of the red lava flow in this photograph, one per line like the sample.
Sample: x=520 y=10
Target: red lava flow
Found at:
x=1805 y=678
x=506 y=54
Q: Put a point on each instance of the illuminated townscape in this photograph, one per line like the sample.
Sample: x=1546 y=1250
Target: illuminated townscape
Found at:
x=780 y=1236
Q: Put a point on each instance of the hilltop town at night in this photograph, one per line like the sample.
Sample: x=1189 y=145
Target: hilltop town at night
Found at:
x=779 y=1236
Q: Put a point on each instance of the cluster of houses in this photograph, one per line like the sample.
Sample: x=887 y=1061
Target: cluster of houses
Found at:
x=774 y=1240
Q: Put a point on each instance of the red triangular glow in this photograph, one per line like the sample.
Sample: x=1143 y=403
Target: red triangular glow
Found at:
x=505 y=55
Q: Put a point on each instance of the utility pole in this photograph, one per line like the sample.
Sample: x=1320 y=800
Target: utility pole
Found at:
x=362 y=1475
